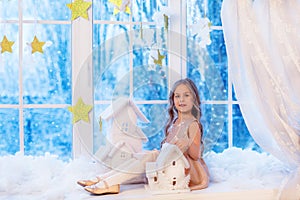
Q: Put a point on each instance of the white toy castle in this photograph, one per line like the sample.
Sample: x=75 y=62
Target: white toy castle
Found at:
x=123 y=136
x=167 y=174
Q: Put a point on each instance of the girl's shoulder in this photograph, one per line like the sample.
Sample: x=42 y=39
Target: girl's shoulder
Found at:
x=194 y=125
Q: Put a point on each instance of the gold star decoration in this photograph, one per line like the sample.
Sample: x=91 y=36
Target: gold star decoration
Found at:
x=166 y=21
x=121 y=6
x=79 y=9
x=159 y=59
x=80 y=111
x=6 y=45
x=37 y=46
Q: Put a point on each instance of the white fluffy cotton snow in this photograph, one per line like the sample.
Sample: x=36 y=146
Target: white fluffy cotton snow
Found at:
x=28 y=177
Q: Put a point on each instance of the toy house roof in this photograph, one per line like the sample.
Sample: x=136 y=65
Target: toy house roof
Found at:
x=119 y=105
x=168 y=154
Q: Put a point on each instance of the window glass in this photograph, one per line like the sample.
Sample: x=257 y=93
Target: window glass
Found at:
x=104 y=10
x=9 y=66
x=48 y=131
x=100 y=126
x=150 y=85
x=143 y=10
x=46 y=10
x=9 y=10
x=204 y=8
x=111 y=60
x=233 y=93
x=154 y=130
x=213 y=11
x=241 y=135
x=150 y=80
x=9 y=131
x=47 y=75
x=215 y=124
x=208 y=75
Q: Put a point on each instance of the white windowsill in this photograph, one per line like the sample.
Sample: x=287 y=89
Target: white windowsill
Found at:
x=213 y=192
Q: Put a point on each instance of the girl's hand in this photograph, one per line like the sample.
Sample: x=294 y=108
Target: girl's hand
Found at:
x=182 y=144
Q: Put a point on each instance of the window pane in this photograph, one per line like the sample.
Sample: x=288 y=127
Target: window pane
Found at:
x=99 y=135
x=150 y=80
x=47 y=75
x=46 y=10
x=217 y=50
x=214 y=12
x=48 y=130
x=208 y=68
x=111 y=61
x=9 y=67
x=150 y=85
x=9 y=131
x=144 y=10
x=104 y=10
x=209 y=80
x=157 y=115
x=9 y=10
x=215 y=125
x=241 y=135
x=202 y=8
x=233 y=94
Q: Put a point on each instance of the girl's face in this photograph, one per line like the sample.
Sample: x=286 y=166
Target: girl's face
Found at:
x=183 y=99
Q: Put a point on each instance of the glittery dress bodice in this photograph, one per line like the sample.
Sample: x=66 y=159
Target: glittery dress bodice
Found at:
x=178 y=131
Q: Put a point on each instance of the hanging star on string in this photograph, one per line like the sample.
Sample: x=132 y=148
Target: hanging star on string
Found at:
x=80 y=111
x=159 y=59
x=202 y=31
x=79 y=9
x=37 y=46
x=161 y=18
x=121 y=5
x=6 y=45
x=166 y=22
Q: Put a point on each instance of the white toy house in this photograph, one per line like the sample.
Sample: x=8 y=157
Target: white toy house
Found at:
x=167 y=174
x=123 y=136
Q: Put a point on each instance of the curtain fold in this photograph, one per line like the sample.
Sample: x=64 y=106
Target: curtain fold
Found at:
x=263 y=46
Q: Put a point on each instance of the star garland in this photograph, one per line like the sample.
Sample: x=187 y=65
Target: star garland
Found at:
x=201 y=30
x=121 y=5
x=79 y=9
x=37 y=46
x=6 y=45
x=159 y=59
x=80 y=111
x=161 y=18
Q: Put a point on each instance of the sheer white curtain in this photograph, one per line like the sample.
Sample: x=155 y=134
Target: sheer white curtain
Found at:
x=263 y=45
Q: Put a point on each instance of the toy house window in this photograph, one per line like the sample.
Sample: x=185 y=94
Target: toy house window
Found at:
x=155 y=178
x=174 y=181
x=125 y=127
x=123 y=155
x=174 y=163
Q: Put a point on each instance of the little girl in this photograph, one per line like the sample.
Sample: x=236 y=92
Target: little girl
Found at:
x=182 y=129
